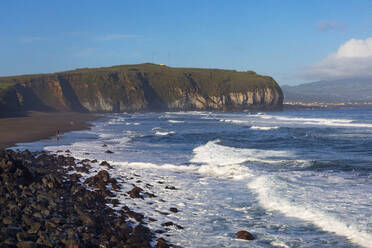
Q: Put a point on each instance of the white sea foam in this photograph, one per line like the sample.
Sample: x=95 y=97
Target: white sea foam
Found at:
x=105 y=135
x=279 y=244
x=234 y=121
x=121 y=141
x=265 y=186
x=236 y=172
x=288 y=120
x=214 y=153
x=316 y=121
x=175 y=121
x=188 y=113
x=116 y=120
x=132 y=123
x=263 y=128
x=164 y=133
x=198 y=184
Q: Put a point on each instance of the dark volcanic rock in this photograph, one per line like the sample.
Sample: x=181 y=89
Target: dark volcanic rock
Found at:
x=104 y=163
x=135 y=192
x=42 y=206
x=171 y=187
x=100 y=182
x=244 y=235
x=170 y=223
x=174 y=210
x=161 y=243
x=26 y=244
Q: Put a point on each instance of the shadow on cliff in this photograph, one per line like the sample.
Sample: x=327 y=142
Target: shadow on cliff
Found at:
x=31 y=101
x=70 y=96
x=155 y=103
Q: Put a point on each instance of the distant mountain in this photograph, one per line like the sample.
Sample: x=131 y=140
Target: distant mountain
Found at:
x=342 y=90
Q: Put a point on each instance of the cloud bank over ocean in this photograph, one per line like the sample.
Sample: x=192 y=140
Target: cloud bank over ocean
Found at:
x=352 y=59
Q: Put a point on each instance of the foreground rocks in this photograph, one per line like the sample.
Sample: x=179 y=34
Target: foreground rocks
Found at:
x=42 y=206
x=244 y=235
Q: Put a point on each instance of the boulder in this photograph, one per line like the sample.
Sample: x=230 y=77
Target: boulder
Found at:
x=174 y=210
x=26 y=244
x=135 y=192
x=244 y=235
x=161 y=243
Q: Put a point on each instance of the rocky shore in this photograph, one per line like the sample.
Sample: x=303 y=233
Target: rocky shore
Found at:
x=46 y=203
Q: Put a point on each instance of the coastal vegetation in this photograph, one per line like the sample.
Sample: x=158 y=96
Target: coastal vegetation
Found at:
x=143 y=87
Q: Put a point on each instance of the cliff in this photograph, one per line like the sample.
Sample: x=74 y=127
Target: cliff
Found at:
x=144 y=87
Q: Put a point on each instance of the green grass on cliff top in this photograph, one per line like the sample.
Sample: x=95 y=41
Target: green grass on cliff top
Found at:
x=5 y=84
x=210 y=78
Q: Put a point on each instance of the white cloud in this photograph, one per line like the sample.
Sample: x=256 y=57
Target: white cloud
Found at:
x=355 y=49
x=352 y=59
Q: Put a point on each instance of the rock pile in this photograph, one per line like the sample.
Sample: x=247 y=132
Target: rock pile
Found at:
x=42 y=206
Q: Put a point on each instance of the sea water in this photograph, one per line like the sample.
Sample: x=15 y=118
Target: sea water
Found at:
x=291 y=178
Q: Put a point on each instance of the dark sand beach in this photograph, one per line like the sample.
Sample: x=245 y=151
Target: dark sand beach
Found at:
x=37 y=125
x=45 y=204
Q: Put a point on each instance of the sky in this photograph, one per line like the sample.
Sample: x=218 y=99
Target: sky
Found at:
x=293 y=41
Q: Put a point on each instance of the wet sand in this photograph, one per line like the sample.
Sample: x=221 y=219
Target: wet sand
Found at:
x=37 y=125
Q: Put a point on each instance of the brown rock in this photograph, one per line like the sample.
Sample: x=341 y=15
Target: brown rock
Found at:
x=71 y=243
x=244 y=235
x=104 y=163
x=8 y=220
x=84 y=217
x=34 y=228
x=161 y=243
x=135 y=192
x=103 y=175
x=26 y=244
x=44 y=240
x=174 y=210
x=169 y=223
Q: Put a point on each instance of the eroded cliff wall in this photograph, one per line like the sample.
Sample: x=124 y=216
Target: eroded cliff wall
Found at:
x=145 y=87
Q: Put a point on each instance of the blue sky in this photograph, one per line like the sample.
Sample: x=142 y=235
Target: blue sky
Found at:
x=293 y=41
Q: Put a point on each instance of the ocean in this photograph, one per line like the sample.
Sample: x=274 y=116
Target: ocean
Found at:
x=299 y=178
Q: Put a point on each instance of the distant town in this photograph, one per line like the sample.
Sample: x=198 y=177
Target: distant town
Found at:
x=321 y=105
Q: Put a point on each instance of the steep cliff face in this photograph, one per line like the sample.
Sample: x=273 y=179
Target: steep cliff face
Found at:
x=145 y=87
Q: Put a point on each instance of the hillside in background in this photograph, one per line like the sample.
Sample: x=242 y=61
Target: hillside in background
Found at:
x=143 y=87
x=343 y=90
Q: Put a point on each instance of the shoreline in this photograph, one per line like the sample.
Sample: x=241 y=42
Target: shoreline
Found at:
x=35 y=126
x=318 y=106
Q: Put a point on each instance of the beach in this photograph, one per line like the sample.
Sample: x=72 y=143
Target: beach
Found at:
x=39 y=125
x=199 y=178
x=45 y=203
